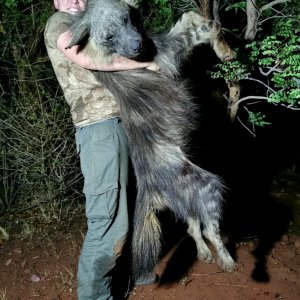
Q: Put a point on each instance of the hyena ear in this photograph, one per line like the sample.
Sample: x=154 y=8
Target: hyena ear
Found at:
x=80 y=32
x=133 y=3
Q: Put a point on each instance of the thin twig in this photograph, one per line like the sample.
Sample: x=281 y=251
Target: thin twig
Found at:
x=234 y=285
x=251 y=97
x=274 y=17
x=231 y=32
x=269 y=5
x=289 y=106
x=261 y=82
x=263 y=98
x=206 y=274
x=252 y=133
x=271 y=70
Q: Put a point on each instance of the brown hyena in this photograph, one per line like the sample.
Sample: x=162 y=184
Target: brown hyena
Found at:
x=158 y=113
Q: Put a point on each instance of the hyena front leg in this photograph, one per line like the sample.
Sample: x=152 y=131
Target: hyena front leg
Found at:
x=195 y=29
x=195 y=232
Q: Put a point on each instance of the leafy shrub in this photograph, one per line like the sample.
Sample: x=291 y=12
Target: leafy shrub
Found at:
x=38 y=162
x=272 y=59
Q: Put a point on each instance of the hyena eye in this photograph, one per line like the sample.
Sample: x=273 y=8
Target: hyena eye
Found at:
x=126 y=19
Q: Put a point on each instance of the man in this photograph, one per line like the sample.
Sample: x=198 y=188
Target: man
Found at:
x=102 y=145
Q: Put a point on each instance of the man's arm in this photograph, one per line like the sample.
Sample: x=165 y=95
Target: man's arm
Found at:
x=82 y=59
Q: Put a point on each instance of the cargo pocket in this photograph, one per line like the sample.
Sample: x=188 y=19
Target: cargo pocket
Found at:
x=99 y=155
x=99 y=188
x=101 y=199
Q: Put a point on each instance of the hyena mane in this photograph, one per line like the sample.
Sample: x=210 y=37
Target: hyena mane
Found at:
x=158 y=114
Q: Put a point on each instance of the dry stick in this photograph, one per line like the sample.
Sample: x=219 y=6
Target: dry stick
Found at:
x=228 y=284
x=252 y=133
x=206 y=274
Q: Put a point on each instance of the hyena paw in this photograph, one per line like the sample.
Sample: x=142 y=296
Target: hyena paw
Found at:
x=226 y=263
x=205 y=256
x=187 y=21
x=193 y=20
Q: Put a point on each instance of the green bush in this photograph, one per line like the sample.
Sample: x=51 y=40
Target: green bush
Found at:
x=38 y=162
x=272 y=59
x=162 y=14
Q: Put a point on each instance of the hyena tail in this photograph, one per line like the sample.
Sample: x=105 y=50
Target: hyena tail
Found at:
x=146 y=242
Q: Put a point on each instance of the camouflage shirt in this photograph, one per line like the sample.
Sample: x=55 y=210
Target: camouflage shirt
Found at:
x=89 y=100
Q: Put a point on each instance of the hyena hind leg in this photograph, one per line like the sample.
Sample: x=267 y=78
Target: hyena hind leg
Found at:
x=211 y=232
x=194 y=231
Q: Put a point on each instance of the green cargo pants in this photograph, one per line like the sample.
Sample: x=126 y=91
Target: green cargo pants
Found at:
x=104 y=164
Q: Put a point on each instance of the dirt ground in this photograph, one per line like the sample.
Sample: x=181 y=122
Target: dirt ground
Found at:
x=41 y=263
x=46 y=269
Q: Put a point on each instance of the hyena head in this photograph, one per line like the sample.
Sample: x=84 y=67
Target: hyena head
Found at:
x=108 y=26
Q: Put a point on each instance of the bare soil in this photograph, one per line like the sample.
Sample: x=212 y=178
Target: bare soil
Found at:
x=46 y=269
x=41 y=263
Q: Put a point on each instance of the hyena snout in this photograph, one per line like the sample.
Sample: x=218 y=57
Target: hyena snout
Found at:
x=129 y=43
x=135 y=45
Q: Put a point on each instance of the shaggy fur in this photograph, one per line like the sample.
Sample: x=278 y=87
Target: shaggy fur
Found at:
x=158 y=114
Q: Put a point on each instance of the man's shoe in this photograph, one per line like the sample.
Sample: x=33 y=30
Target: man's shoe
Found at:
x=147 y=279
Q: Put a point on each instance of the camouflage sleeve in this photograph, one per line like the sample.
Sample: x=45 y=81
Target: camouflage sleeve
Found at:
x=57 y=24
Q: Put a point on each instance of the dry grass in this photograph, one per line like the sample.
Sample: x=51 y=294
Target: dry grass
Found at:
x=66 y=279
x=39 y=166
x=3 y=294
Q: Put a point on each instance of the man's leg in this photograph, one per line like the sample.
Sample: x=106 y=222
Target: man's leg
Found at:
x=104 y=163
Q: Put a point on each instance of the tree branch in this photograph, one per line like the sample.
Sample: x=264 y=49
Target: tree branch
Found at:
x=204 y=6
x=274 y=17
x=235 y=106
x=290 y=106
x=269 y=5
x=261 y=82
x=252 y=20
x=253 y=14
x=272 y=69
x=251 y=97
x=248 y=129
x=216 y=11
